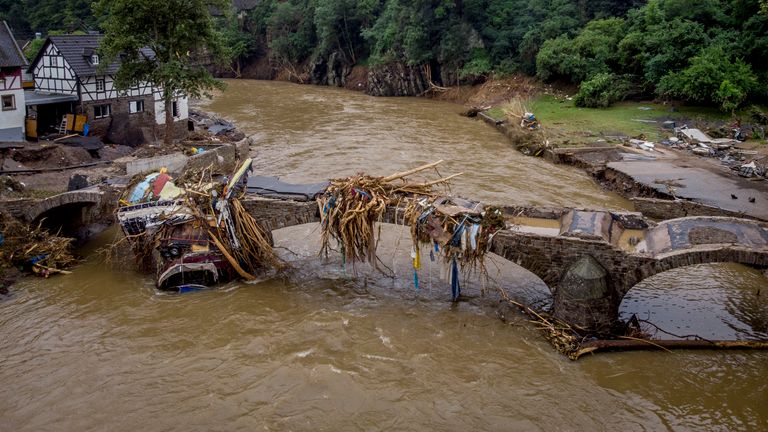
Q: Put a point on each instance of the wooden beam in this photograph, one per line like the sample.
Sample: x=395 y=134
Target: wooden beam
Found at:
x=666 y=344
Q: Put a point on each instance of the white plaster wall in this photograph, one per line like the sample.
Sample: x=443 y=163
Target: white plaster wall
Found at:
x=54 y=80
x=160 y=110
x=12 y=122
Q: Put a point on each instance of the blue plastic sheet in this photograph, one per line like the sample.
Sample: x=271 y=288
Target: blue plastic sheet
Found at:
x=141 y=189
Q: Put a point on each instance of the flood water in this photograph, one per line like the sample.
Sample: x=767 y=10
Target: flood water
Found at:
x=330 y=347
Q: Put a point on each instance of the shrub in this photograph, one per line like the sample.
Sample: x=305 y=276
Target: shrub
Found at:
x=601 y=91
x=712 y=76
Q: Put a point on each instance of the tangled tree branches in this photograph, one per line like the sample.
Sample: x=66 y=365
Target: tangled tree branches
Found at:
x=458 y=229
x=351 y=205
x=255 y=249
x=33 y=248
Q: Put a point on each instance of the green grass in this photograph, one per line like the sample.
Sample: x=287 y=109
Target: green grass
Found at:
x=620 y=119
x=496 y=112
x=38 y=193
x=568 y=125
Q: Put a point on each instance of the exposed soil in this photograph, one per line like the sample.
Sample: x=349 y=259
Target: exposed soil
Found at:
x=42 y=155
x=357 y=79
x=492 y=92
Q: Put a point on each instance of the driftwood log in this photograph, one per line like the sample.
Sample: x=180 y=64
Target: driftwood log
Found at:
x=656 y=344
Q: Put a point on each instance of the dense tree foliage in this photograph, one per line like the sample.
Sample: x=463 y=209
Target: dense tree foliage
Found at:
x=29 y=16
x=601 y=90
x=658 y=47
x=178 y=32
x=707 y=51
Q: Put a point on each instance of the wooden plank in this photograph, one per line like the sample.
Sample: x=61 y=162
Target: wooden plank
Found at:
x=80 y=120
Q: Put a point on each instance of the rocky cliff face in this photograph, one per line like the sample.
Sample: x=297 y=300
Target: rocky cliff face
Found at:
x=396 y=79
x=331 y=71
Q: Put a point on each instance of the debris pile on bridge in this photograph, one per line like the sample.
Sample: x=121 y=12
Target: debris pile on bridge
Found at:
x=197 y=234
x=350 y=206
x=459 y=230
x=33 y=249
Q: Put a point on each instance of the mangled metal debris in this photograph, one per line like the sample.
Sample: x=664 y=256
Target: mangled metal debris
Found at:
x=194 y=234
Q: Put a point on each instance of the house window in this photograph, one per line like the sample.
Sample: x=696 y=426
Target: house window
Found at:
x=100 y=85
x=54 y=61
x=136 y=106
x=94 y=59
x=175 y=108
x=9 y=102
x=101 y=111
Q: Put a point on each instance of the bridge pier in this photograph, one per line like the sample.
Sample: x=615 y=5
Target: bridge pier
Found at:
x=585 y=297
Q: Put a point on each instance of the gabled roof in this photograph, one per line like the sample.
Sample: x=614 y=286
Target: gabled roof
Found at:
x=77 y=51
x=10 y=53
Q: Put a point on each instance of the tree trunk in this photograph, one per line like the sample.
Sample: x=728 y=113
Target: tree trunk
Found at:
x=168 y=140
x=657 y=344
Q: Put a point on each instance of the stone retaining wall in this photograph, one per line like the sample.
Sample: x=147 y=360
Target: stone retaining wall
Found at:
x=17 y=207
x=223 y=158
x=672 y=209
x=276 y=214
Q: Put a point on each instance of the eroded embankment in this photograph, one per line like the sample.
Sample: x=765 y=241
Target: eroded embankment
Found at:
x=655 y=198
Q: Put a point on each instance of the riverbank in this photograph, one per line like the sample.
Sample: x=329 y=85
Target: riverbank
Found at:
x=664 y=179
x=54 y=197
x=591 y=139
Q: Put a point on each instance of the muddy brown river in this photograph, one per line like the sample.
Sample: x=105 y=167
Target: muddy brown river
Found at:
x=330 y=347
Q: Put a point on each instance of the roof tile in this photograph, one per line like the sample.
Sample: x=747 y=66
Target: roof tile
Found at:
x=10 y=53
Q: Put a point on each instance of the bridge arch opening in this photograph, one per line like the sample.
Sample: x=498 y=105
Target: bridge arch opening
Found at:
x=70 y=220
x=301 y=243
x=713 y=300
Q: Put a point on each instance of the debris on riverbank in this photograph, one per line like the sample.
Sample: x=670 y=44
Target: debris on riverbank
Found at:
x=11 y=188
x=33 y=249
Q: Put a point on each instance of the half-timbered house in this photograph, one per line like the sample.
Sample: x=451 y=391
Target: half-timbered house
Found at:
x=11 y=91
x=70 y=65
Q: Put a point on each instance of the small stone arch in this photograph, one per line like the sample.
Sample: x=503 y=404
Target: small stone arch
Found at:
x=68 y=213
x=757 y=258
x=84 y=197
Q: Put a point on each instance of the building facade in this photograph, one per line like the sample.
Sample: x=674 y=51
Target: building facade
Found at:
x=12 y=101
x=70 y=65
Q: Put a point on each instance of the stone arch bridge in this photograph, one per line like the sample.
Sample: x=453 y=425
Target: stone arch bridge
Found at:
x=74 y=213
x=588 y=259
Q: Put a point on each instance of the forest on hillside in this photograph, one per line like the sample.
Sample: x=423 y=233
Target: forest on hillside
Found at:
x=703 y=51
